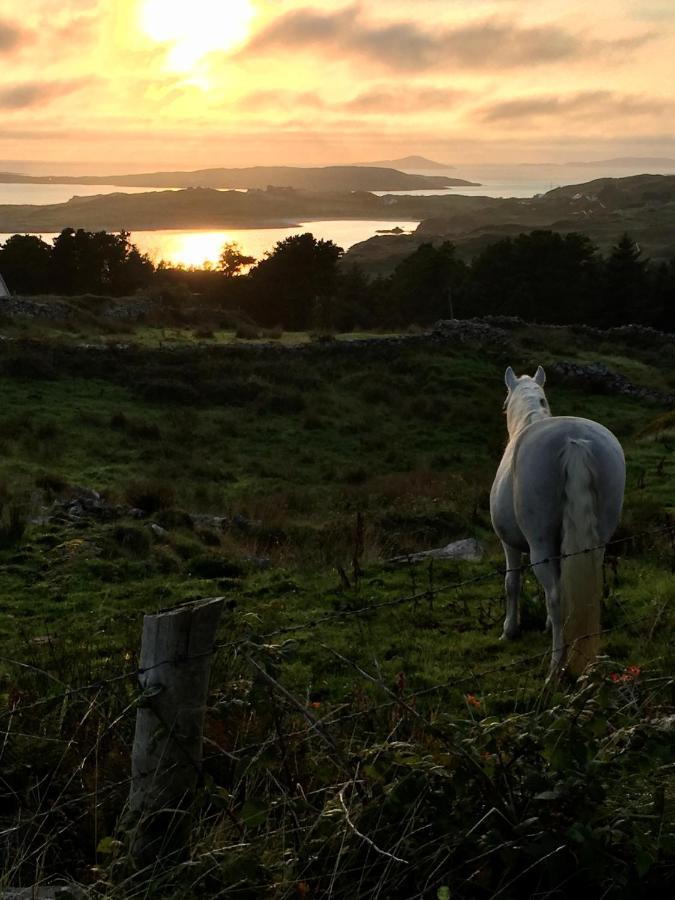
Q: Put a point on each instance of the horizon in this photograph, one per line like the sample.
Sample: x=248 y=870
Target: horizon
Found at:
x=255 y=82
x=85 y=168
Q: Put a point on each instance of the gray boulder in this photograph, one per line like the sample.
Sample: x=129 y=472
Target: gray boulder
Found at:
x=467 y=549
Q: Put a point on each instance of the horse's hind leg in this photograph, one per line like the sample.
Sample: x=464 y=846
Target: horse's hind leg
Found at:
x=548 y=576
x=512 y=587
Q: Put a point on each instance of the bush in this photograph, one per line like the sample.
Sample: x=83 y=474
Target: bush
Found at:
x=246 y=332
x=150 y=496
x=133 y=539
x=51 y=482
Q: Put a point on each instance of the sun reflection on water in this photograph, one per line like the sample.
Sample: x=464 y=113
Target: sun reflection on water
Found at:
x=199 y=249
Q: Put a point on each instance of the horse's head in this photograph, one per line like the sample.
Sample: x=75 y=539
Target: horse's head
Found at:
x=525 y=399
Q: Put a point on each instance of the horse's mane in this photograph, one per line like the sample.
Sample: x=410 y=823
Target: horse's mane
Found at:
x=525 y=404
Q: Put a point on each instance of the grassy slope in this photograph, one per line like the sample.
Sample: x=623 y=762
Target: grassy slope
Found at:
x=410 y=438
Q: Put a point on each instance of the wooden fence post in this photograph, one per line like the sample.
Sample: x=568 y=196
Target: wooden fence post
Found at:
x=175 y=664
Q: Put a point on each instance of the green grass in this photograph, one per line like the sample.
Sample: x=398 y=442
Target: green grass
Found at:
x=293 y=448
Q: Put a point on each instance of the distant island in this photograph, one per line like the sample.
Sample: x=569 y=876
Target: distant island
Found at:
x=205 y=208
x=326 y=178
x=647 y=161
x=408 y=162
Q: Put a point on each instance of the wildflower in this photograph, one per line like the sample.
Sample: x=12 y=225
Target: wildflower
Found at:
x=630 y=673
x=472 y=700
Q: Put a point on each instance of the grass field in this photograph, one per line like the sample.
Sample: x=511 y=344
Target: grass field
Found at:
x=320 y=466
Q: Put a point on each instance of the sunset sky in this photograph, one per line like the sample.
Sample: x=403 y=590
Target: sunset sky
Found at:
x=135 y=84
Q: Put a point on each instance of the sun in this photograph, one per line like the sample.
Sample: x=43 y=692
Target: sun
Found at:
x=194 y=28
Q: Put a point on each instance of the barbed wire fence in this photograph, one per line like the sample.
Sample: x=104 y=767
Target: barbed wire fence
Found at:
x=80 y=794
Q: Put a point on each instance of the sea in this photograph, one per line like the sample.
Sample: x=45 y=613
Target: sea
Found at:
x=202 y=247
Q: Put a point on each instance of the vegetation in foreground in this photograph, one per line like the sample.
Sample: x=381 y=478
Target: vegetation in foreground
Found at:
x=285 y=480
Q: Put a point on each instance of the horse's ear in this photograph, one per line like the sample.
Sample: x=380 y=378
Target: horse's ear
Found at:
x=510 y=379
x=540 y=376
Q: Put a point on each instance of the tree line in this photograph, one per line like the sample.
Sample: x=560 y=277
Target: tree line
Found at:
x=303 y=283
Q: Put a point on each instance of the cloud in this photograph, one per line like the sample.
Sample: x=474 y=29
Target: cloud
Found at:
x=404 y=45
x=388 y=101
x=35 y=93
x=280 y=99
x=11 y=37
x=653 y=11
x=580 y=105
x=378 y=100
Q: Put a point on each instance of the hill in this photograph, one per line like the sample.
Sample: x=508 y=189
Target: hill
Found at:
x=210 y=208
x=408 y=162
x=327 y=178
x=604 y=208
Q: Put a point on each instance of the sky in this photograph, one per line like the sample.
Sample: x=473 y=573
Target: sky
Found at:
x=124 y=85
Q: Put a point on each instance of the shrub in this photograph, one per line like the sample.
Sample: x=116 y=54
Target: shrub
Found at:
x=246 y=332
x=133 y=539
x=150 y=495
x=51 y=482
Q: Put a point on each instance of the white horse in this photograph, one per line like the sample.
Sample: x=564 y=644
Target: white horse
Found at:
x=557 y=495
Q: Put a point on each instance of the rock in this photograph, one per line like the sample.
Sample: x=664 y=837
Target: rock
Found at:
x=202 y=520
x=467 y=549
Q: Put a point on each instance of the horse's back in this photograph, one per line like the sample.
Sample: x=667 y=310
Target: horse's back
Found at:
x=539 y=479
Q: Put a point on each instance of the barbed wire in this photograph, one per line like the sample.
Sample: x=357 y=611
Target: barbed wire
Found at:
x=103 y=792
x=366 y=609
x=451 y=683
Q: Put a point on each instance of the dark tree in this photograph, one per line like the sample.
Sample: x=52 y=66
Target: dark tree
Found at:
x=24 y=264
x=294 y=285
x=232 y=260
x=97 y=262
x=355 y=304
x=625 y=294
x=662 y=296
x=426 y=285
x=542 y=276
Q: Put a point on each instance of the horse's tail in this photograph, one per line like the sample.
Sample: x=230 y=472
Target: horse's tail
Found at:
x=581 y=563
